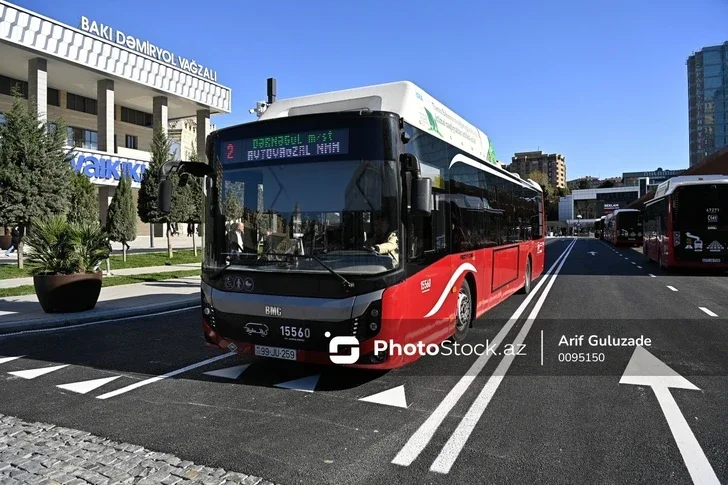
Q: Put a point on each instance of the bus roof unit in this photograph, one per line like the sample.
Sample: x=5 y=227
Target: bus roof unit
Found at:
x=622 y=211
x=668 y=186
x=403 y=98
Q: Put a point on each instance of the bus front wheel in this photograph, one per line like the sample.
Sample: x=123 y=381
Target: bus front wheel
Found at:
x=526 y=289
x=464 y=314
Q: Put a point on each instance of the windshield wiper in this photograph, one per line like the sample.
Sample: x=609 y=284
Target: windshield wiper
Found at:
x=347 y=284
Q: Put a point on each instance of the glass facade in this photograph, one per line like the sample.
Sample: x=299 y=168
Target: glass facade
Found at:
x=708 y=101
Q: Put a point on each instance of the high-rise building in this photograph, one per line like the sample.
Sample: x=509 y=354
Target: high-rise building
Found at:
x=707 y=101
x=552 y=164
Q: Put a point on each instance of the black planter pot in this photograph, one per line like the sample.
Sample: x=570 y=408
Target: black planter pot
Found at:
x=5 y=241
x=68 y=293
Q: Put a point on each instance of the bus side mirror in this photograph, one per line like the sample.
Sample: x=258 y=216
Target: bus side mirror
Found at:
x=164 y=200
x=421 y=196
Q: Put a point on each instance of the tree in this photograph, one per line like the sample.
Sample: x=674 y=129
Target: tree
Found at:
x=583 y=184
x=564 y=191
x=607 y=184
x=35 y=169
x=551 y=200
x=196 y=199
x=148 y=192
x=84 y=201
x=121 y=218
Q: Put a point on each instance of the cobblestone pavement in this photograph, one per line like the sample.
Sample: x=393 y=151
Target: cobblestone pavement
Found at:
x=37 y=453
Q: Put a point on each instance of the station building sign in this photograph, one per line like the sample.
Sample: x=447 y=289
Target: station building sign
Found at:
x=103 y=169
x=147 y=48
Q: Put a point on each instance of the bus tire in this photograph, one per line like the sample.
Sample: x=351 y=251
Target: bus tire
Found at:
x=526 y=288
x=464 y=312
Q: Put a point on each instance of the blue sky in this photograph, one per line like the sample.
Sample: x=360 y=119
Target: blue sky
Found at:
x=603 y=83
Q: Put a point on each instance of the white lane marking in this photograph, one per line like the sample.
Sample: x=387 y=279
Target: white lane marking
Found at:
x=633 y=262
x=455 y=444
x=391 y=397
x=7 y=313
x=672 y=288
x=644 y=369
x=87 y=386
x=9 y=359
x=100 y=322
x=229 y=372
x=446 y=291
x=305 y=384
x=420 y=439
x=640 y=267
x=708 y=311
x=151 y=380
x=33 y=373
x=653 y=275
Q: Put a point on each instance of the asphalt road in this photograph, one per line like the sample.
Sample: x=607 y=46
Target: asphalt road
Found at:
x=510 y=419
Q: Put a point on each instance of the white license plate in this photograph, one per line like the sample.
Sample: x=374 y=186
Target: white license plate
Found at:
x=275 y=352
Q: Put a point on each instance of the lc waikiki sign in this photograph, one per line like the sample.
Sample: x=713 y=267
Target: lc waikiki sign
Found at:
x=147 y=48
x=104 y=170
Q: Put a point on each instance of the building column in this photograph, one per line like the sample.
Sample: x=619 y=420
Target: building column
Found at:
x=160 y=118
x=203 y=129
x=38 y=87
x=105 y=114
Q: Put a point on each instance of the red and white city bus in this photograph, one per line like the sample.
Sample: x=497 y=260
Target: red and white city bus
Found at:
x=686 y=223
x=304 y=206
x=623 y=227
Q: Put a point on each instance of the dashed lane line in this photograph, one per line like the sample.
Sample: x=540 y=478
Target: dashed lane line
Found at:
x=708 y=311
x=653 y=275
x=640 y=267
x=672 y=288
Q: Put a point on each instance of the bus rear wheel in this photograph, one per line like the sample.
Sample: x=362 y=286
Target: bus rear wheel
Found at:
x=526 y=289
x=464 y=313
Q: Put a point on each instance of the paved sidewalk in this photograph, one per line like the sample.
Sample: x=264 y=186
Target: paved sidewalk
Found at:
x=47 y=454
x=20 y=313
x=13 y=282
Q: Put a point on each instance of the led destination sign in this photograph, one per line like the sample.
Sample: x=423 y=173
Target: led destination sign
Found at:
x=291 y=145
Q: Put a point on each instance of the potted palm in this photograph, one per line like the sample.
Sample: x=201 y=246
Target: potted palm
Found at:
x=67 y=256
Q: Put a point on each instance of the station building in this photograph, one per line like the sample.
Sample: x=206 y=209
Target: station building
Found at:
x=111 y=88
x=591 y=204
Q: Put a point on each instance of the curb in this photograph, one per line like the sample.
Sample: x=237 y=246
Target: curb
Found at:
x=57 y=322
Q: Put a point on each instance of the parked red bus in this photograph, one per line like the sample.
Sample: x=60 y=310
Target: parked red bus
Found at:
x=383 y=216
x=599 y=227
x=686 y=224
x=623 y=227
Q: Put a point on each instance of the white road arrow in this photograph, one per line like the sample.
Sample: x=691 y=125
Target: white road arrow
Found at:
x=644 y=369
x=593 y=253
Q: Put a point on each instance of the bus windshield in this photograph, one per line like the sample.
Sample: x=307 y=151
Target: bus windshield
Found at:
x=332 y=210
x=629 y=223
x=701 y=217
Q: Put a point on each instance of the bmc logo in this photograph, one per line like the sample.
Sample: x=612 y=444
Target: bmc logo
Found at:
x=273 y=311
x=343 y=341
